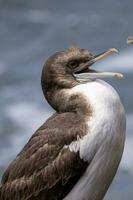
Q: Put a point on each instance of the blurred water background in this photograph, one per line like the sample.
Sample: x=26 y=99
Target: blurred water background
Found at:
x=32 y=30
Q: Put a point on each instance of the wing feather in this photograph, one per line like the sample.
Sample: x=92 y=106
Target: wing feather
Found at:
x=44 y=169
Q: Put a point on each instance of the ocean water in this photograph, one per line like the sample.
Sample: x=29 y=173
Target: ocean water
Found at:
x=29 y=33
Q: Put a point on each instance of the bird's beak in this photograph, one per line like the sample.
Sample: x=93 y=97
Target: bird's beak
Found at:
x=86 y=74
x=130 y=40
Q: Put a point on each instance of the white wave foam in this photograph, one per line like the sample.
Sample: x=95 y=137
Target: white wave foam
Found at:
x=28 y=117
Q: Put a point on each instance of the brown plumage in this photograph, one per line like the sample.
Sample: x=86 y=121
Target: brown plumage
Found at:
x=74 y=155
x=45 y=168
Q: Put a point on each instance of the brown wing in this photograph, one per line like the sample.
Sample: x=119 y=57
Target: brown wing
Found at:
x=44 y=169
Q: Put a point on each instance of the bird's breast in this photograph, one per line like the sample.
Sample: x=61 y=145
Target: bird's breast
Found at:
x=107 y=122
x=102 y=146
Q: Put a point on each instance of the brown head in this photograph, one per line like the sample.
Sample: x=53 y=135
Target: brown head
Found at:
x=67 y=68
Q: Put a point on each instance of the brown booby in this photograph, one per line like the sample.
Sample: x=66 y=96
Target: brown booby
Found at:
x=75 y=154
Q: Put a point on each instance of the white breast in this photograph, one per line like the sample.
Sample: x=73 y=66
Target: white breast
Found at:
x=102 y=147
x=108 y=114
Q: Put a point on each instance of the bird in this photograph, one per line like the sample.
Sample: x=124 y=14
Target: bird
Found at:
x=130 y=40
x=75 y=154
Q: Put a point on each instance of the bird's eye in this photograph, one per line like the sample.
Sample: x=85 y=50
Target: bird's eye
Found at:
x=73 y=64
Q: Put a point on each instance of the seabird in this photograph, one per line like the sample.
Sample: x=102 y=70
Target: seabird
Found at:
x=75 y=154
x=130 y=40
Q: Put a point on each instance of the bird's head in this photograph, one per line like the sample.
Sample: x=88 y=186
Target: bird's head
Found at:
x=74 y=66
x=70 y=67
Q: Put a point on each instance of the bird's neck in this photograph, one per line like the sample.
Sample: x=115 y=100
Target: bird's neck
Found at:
x=62 y=100
x=57 y=91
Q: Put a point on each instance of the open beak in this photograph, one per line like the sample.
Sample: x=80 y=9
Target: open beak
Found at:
x=130 y=40
x=86 y=74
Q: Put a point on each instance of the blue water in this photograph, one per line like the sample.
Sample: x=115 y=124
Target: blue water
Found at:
x=29 y=33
